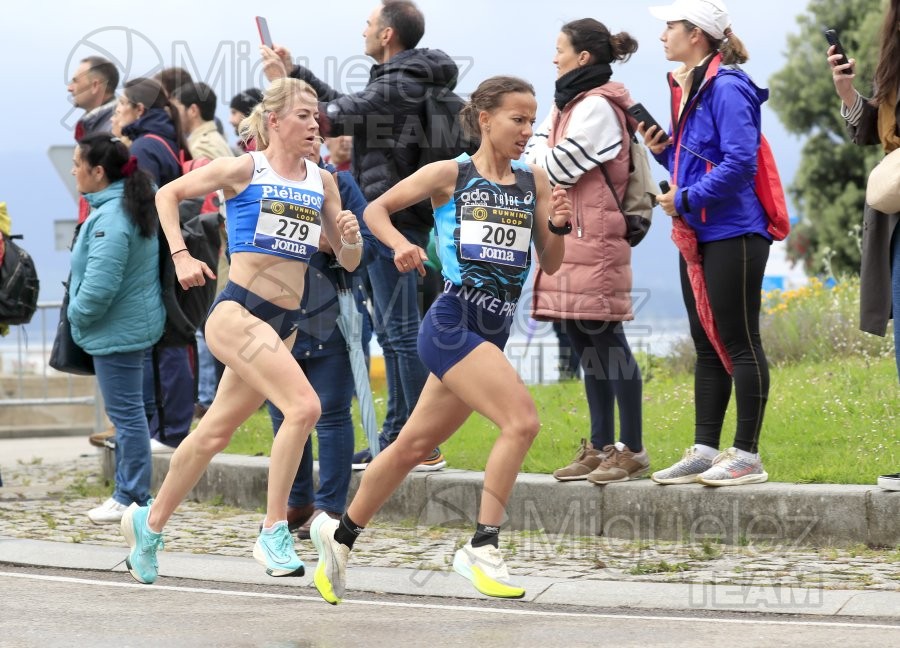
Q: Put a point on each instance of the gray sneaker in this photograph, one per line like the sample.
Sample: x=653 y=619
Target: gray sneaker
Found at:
x=587 y=460
x=686 y=471
x=729 y=469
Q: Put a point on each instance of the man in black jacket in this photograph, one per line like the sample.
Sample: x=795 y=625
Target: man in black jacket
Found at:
x=385 y=121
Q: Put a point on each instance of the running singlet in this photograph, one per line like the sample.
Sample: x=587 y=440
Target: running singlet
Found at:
x=484 y=231
x=274 y=215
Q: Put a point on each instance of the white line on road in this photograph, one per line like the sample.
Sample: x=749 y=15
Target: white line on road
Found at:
x=458 y=608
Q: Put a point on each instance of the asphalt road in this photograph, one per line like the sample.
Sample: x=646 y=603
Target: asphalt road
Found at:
x=53 y=607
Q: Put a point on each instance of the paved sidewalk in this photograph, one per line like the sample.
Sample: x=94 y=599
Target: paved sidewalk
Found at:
x=47 y=501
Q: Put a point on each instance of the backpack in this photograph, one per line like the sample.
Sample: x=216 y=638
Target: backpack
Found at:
x=770 y=192
x=186 y=310
x=19 y=285
x=639 y=200
x=208 y=204
x=442 y=136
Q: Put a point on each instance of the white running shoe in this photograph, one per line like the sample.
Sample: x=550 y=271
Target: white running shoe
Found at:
x=331 y=570
x=108 y=512
x=158 y=447
x=485 y=568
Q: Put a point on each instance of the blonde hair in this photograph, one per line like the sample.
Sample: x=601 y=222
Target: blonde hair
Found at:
x=278 y=99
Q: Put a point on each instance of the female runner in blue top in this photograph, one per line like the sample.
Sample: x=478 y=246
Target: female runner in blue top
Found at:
x=488 y=210
x=277 y=204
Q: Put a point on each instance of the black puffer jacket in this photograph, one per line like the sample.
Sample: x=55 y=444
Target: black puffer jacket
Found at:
x=385 y=120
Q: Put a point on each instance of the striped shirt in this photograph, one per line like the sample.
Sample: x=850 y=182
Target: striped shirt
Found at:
x=593 y=137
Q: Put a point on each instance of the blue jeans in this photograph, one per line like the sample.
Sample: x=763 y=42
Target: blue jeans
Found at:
x=395 y=296
x=332 y=379
x=895 y=292
x=121 y=380
x=206 y=371
x=177 y=384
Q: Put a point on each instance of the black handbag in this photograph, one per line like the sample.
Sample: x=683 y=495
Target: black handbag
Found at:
x=66 y=356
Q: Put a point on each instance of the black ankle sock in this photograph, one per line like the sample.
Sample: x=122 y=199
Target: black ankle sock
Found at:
x=486 y=534
x=348 y=531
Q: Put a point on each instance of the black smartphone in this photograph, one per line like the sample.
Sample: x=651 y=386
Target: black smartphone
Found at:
x=641 y=114
x=664 y=187
x=264 y=36
x=832 y=37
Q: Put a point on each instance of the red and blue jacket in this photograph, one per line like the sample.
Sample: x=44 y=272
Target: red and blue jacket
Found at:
x=713 y=156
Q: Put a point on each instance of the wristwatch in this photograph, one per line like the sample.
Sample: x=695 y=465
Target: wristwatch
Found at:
x=559 y=231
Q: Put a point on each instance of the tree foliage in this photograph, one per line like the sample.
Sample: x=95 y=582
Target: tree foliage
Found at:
x=829 y=188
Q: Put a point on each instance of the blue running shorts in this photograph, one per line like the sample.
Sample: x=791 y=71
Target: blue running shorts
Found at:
x=283 y=320
x=457 y=322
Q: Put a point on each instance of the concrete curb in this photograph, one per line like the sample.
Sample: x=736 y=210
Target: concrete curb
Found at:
x=565 y=592
x=46 y=432
x=777 y=513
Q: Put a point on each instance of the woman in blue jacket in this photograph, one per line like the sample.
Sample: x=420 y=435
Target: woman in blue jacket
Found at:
x=711 y=155
x=115 y=302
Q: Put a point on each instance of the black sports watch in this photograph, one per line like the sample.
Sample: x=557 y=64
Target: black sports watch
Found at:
x=559 y=231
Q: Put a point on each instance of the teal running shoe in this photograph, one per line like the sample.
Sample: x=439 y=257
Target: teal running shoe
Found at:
x=144 y=543
x=274 y=550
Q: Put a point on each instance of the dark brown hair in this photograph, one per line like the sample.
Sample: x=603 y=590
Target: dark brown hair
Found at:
x=887 y=74
x=405 y=19
x=592 y=36
x=99 y=66
x=150 y=94
x=172 y=77
x=488 y=96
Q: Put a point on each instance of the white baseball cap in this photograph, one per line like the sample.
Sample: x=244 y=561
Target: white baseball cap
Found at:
x=709 y=15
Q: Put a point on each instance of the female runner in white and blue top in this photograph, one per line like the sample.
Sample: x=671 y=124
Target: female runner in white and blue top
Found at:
x=277 y=203
x=489 y=209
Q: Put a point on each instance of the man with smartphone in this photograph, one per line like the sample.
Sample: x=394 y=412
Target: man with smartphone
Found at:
x=385 y=150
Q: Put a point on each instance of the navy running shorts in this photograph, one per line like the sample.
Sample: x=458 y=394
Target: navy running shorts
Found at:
x=283 y=320
x=457 y=322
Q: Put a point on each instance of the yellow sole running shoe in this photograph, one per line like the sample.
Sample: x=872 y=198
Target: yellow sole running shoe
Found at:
x=485 y=569
x=331 y=570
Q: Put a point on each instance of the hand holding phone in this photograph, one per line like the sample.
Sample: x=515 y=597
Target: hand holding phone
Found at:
x=641 y=114
x=832 y=37
x=264 y=36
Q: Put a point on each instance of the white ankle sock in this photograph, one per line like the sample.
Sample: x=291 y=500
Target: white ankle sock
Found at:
x=743 y=454
x=706 y=451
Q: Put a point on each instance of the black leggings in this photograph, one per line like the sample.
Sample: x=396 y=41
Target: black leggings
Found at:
x=734 y=271
x=611 y=375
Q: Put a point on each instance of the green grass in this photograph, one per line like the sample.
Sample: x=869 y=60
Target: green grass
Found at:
x=827 y=422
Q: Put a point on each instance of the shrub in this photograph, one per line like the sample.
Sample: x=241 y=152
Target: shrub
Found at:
x=817 y=322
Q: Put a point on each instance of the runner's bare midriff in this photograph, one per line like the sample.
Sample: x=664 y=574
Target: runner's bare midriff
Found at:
x=274 y=278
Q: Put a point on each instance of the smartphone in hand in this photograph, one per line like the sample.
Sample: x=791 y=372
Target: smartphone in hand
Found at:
x=641 y=114
x=264 y=36
x=832 y=37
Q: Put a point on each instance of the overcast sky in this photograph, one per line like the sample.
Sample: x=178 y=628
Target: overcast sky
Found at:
x=43 y=42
